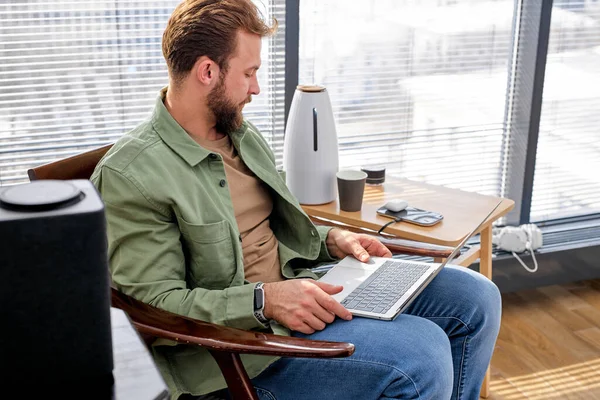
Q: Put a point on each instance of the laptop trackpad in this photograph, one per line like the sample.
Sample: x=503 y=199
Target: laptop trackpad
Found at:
x=349 y=273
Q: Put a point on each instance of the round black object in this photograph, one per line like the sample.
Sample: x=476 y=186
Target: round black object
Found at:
x=40 y=195
x=375 y=175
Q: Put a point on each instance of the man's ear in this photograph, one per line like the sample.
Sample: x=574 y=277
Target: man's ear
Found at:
x=207 y=71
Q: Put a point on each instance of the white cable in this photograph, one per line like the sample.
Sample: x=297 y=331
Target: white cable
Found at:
x=528 y=245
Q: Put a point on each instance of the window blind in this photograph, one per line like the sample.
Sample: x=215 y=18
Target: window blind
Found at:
x=419 y=86
x=77 y=74
x=566 y=179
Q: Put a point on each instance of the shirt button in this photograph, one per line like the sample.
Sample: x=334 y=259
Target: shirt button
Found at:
x=212 y=156
x=222 y=183
x=240 y=237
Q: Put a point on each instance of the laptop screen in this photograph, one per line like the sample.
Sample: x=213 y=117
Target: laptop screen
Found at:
x=464 y=241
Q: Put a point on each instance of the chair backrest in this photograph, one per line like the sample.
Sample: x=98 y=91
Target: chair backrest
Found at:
x=79 y=166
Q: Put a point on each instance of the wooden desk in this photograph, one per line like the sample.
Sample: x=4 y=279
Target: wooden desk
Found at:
x=462 y=212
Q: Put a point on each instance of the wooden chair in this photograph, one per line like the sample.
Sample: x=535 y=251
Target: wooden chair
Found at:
x=224 y=344
x=80 y=166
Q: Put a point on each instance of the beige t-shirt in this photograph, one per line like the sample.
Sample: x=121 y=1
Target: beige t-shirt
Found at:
x=252 y=205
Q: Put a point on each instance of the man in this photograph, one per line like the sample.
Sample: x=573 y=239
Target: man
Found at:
x=198 y=218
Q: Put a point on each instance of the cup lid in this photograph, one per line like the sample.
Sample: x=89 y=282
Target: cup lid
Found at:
x=375 y=174
x=310 y=88
x=39 y=195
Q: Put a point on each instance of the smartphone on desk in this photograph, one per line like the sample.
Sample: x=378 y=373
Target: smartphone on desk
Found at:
x=412 y=215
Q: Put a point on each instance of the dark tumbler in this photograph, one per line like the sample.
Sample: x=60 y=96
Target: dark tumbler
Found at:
x=351 y=187
x=54 y=287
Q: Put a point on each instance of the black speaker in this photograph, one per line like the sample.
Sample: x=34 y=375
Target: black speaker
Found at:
x=54 y=286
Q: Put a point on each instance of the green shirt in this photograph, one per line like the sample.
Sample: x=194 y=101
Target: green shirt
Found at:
x=173 y=240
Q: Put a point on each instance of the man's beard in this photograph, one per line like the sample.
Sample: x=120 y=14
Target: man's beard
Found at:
x=227 y=114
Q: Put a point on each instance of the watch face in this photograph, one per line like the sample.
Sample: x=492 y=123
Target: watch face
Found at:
x=258 y=299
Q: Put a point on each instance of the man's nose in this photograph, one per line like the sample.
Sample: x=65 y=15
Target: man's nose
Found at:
x=254 y=87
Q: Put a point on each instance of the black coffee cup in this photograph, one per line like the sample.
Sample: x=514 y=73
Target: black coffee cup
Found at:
x=351 y=187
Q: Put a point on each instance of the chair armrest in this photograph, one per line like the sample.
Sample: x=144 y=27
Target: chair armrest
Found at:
x=411 y=247
x=396 y=245
x=159 y=323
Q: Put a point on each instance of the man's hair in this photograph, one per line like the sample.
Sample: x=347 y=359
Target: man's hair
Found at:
x=208 y=28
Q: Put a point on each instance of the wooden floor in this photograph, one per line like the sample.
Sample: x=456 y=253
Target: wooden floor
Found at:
x=549 y=344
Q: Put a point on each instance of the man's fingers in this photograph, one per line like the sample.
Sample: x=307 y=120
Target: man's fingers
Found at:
x=323 y=314
x=309 y=306
x=315 y=323
x=378 y=249
x=360 y=246
x=303 y=328
x=329 y=288
x=358 y=251
x=375 y=247
x=331 y=305
x=307 y=322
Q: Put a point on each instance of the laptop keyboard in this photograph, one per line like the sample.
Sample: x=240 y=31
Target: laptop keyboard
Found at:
x=384 y=287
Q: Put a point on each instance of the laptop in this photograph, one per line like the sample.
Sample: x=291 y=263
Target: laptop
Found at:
x=382 y=288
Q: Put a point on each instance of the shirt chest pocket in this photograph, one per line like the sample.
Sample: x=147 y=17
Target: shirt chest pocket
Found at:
x=210 y=258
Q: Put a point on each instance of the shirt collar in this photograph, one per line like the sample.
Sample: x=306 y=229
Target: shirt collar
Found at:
x=178 y=139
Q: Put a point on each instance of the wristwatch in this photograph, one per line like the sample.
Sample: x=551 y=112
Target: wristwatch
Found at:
x=259 y=303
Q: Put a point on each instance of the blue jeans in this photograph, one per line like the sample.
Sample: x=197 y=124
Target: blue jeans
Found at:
x=439 y=348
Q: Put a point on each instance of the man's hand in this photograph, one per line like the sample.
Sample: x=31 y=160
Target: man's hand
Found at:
x=341 y=243
x=303 y=305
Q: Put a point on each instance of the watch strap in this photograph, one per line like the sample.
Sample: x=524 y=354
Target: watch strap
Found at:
x=259 y=304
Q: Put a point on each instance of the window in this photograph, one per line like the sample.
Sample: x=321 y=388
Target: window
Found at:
x=419 y=86
x=566 y=181
x=429 y=88
x=77 y=74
